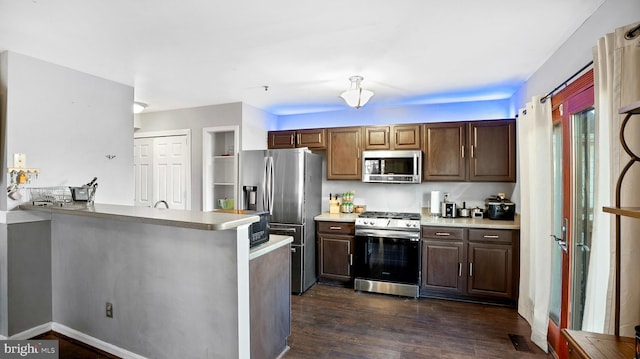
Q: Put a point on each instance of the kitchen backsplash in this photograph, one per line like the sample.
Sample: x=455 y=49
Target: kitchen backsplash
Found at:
x=412 y=197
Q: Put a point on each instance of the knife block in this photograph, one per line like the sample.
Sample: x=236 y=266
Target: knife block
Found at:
x=334 y=206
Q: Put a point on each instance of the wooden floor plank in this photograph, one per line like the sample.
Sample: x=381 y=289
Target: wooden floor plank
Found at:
x=340 y=323
x=334 y=322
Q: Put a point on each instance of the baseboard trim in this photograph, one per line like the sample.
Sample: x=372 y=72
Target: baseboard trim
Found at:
x=95 y=342
x=286 y=349
x=32 y=332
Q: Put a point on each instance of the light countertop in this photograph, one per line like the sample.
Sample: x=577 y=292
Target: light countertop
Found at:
x=428 y=220
x=470 y=222
x=336 y=217
x=211 y=221
x=275 y=242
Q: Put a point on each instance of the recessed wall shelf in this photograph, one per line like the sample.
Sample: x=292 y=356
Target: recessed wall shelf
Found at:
x=220 y=165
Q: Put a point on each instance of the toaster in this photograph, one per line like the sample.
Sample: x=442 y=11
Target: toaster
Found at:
x=500 y=209
x=449 y=210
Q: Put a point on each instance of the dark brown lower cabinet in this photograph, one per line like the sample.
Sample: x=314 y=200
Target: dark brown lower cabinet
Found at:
x=335 y=242
x=442 y=266
x=270 y=302
x=470 y=263
x=490 y=269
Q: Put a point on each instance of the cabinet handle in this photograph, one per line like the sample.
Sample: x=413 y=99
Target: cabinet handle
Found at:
x=292 y=140
x=473 y=155
x=491 y=236
x=460 y=269
x=470 y=269
x=443 y=234
x=350 y=259
x=462 y=151
x=335 y=228
x=298 y=139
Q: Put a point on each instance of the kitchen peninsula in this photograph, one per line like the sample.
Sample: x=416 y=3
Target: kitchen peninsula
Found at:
x=180 y=282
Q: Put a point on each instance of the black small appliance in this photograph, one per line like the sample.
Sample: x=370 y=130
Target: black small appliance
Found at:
x=500 y=208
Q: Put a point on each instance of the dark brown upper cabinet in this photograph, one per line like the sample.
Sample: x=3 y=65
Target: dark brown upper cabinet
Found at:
x=314 y=139
x=343 y=153
x=478 y=151
x=393 y=137
x=492 y=151
x=444 y=151
x=281 y=139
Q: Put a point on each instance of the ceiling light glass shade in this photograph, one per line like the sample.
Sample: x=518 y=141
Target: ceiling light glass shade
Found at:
x=356 y=96
x=139 y=107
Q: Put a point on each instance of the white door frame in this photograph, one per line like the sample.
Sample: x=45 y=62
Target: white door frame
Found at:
x=178 y=132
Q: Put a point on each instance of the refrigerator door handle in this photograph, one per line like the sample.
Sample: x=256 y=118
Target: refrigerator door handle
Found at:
x=264 y=184
x=271 y=181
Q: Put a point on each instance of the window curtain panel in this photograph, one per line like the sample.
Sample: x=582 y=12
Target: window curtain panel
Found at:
x=536 y=178
x=616 y=84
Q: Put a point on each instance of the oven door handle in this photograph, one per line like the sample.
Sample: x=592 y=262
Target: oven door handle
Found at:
x=413 y=236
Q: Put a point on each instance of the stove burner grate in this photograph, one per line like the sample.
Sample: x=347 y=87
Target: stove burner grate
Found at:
x=391 y=215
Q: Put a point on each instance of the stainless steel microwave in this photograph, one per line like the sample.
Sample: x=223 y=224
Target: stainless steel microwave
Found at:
x=392 y=166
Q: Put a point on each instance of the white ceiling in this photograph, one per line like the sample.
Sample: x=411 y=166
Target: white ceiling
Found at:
x=188 y=53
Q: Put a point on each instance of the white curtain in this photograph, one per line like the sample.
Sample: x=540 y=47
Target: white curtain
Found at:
x=536 y=176
x=617 y=84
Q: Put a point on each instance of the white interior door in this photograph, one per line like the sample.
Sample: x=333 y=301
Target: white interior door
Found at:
x=169 y=170
x=162 y=170
x=143 y=171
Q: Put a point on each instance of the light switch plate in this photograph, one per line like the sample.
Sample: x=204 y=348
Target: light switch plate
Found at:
x=19 y=160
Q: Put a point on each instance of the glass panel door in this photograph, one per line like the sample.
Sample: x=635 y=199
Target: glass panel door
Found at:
x=556 y=252
x=573 y=169
x=583 y=188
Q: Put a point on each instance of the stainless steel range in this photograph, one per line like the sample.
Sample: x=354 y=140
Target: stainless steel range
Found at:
x=388 y=253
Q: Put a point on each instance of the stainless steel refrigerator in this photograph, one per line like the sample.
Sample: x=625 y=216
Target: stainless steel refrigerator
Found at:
x=288 y=184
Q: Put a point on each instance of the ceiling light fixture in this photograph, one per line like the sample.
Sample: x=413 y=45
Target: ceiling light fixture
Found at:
x=356 y=96
x=139 y=107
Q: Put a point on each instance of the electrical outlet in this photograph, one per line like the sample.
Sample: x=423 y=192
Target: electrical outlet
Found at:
x=19 y=160
x=109 y=310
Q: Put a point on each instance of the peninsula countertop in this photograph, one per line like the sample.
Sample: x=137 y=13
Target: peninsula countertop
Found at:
x=211 y=221
x=428 y=220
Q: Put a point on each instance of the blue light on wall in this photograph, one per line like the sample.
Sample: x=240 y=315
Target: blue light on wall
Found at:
x=436 y=112
x=485 y=103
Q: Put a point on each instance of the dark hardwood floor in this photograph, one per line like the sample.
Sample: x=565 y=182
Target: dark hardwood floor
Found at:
x=333 y=322
x=73 y=349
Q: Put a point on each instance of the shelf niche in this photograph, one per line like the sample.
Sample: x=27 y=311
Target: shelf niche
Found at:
x=219 y=165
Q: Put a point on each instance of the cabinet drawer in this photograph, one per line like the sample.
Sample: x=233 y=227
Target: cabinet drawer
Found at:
x=336 y=227
x=491 y=235
x=443 y=233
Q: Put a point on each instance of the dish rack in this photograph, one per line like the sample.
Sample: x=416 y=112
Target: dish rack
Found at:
x=46 y=196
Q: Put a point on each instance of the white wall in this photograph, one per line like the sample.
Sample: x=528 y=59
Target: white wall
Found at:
x=255 y=124
x=67 y=122
x=576 y=51
x=253 y=131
